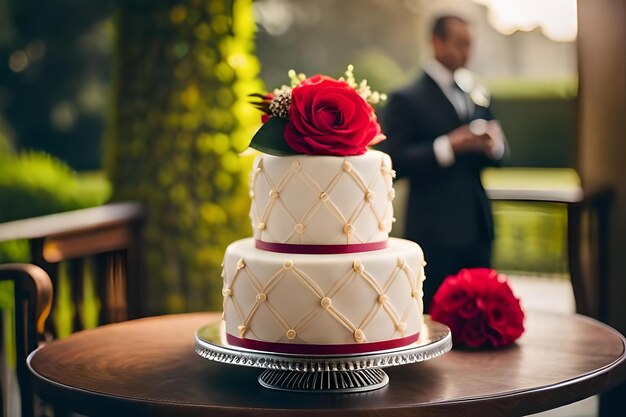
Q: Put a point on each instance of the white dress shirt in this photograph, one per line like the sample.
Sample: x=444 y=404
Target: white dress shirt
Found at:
x=464 y=107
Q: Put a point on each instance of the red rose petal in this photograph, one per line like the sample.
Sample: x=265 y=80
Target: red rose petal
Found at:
x=328 y=117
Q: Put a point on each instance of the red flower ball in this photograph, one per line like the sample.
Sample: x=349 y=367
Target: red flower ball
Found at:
x=479 y=307
x=328 y=117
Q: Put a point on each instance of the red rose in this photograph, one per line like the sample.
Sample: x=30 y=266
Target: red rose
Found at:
x=328 y=117
x=474 y=333
x=479 y=307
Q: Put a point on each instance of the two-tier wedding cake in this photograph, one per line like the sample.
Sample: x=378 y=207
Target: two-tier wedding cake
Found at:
x=320 y=274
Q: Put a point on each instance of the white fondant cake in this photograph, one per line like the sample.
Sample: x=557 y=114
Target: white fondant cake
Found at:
x=322 y=200
x=321 y=275
x=341 y=299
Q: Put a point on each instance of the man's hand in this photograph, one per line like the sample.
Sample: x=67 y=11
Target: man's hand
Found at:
x=463 y=140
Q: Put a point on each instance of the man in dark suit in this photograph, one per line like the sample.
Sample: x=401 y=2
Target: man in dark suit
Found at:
x=441 y=139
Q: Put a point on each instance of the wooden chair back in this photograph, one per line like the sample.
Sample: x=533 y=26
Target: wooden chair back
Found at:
x=587 y=240
x=33 y=301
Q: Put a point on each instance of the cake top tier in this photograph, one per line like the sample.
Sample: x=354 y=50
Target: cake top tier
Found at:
x=322 y=200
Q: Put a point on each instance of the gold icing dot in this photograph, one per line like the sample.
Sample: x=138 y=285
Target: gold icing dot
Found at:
x=295 y=166
x=261 y=226
x=401 y=263
x=260 y=163
x=391 y=194
x=347 y=166
x=273 y=194
x=324 y=197
x=359 y=335
x=415 y=294
x=261 y=297
x=291 y=334
x=242 y=330
x=299 y=228
x=241 y=263
x=357 y=266
x=401 y=326
x=393 y=220
x=288 y=264
x=348 y=228
x=251 y=194
x=369 y=196
x=259 y=169
x=326 y=302
x=381 y=226
x=393 y=173
x=383 y=299
x=227 y=292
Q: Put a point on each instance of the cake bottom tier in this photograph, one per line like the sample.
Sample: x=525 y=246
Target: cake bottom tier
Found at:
x=323 y=304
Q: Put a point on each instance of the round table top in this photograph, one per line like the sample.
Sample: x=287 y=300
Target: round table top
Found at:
x=148 y=367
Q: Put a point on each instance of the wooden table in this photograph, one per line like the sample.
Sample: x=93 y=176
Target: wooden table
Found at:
x=148 y=367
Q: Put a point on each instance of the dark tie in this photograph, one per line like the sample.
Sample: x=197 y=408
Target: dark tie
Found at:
x=463 y=109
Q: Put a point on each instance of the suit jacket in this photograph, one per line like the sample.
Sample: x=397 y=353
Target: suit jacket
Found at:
x=448 y=206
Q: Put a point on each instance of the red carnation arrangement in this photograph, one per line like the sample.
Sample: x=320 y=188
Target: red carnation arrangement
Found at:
x=319 y=116
x=479 y=307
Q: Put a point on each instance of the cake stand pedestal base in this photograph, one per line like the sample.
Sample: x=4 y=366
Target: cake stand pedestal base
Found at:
x=325 y=381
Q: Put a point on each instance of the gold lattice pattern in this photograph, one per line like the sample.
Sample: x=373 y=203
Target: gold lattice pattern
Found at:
x=289 y=270
x=321 y=198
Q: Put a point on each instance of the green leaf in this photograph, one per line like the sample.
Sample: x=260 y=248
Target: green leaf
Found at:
x=270 y=138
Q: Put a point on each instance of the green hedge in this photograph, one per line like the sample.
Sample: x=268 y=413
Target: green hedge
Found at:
x=541 y=131
x=35 y=184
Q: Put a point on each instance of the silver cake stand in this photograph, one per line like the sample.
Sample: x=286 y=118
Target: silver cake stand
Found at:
x=323 y=373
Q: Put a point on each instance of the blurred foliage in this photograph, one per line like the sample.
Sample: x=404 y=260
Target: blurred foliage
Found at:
x=7 y=336
x=324 y=36
x=35 y=184
x=183 y=73
x=503 y=88
x=531 y=238
x=64 y=307
x=6 y=148
x=539 y=119
x=540 y=130
x=381 y=72
x=54 y=76
x=14 y=251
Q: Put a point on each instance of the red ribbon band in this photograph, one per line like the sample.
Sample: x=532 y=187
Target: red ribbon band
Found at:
x=320 y=349
x=320 y=249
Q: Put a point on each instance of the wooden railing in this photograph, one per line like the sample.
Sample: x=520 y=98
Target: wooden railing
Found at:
x=109 y=235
